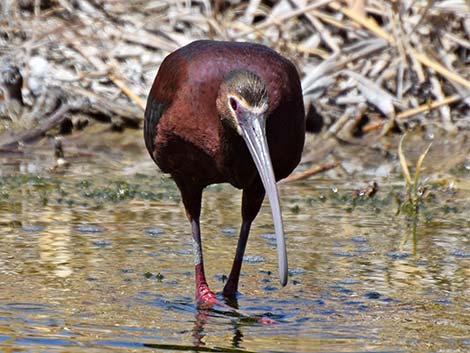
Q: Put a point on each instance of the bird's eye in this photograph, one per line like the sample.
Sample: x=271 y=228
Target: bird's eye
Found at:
x=233 y=103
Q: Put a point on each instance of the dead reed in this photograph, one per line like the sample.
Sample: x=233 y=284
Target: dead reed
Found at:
x=366 y=66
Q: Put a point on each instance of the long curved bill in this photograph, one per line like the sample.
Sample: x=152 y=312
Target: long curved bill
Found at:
x=254 y=133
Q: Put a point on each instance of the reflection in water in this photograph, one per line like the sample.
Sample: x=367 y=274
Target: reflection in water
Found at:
x=201 y=318
x=55 y=252
x=104 y=264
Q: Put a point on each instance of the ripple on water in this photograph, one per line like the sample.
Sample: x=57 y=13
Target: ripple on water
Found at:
x=270 y=288
x=47 y=341
x=89 y=228
x=398 y=255
x=348 y=281
x=229 y=231
x=28 y=307
x=359 y=239
x=341 y=289
x=154 y=231
x=101 y=243
x=372 y=295
x=364 y=249
x=179 y=251
x=362 y=295
x=269 y=238
x=32 y=227
x=443 y=301
x=296 y=271
x=461 y=253
x=253 y=259
x=342 y=253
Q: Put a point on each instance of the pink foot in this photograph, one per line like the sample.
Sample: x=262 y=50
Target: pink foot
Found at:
x=267 y=321
x=205 y=296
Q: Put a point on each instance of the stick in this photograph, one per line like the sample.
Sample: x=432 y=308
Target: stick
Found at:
x=28 y=136
x=122 y=85
x=311 y=171
x=420 y=109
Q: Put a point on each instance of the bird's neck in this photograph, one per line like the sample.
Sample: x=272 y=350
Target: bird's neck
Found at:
x=235 y=159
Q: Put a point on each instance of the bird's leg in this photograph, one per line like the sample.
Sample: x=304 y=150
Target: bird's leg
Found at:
x=203 y=293
x=192 y=202
x=251 y=203
x=231 y=287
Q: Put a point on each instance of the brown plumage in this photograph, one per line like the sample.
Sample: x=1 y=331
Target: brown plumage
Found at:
x=209 y=100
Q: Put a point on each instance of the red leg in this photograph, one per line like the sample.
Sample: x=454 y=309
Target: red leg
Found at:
x=192 y=203
x=203 y=293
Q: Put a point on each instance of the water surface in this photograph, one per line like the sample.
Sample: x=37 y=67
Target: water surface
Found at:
x=97 y=258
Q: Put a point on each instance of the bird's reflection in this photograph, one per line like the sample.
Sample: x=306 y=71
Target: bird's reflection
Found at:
x=200 y=319
x=204 y=311
x=237 y=335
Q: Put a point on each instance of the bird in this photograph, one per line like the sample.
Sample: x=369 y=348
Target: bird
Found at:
x=227 y=112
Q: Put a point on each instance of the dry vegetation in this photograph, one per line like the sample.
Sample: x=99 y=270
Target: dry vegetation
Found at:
x=368 y=67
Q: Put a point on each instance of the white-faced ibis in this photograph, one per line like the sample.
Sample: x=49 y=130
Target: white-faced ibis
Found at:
x=227 y=112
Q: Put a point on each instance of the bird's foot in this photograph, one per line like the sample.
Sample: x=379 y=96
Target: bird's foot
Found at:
x=230 y=292
x=207 y=299
x=231 y=299
x=267 y=321
x=205 y=296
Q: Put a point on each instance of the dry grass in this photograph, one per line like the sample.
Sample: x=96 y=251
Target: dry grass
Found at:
x=373 y=64
x=413 y=187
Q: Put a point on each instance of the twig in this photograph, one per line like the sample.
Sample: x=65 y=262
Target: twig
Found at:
x=307 y=50
x=56 y=118
x=366 y=22
x=339 y=124
x=113 y=64
x=440 y=69
x=147 y=39
x=311 y=171
x=406 y=114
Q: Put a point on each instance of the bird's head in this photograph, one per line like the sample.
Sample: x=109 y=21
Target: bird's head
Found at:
x=242 y=103
x=242 y=97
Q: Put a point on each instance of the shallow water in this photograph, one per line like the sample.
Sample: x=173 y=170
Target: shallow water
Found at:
x=97 y=258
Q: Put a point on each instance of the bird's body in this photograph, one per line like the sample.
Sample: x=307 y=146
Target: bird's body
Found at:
x=204 y=96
